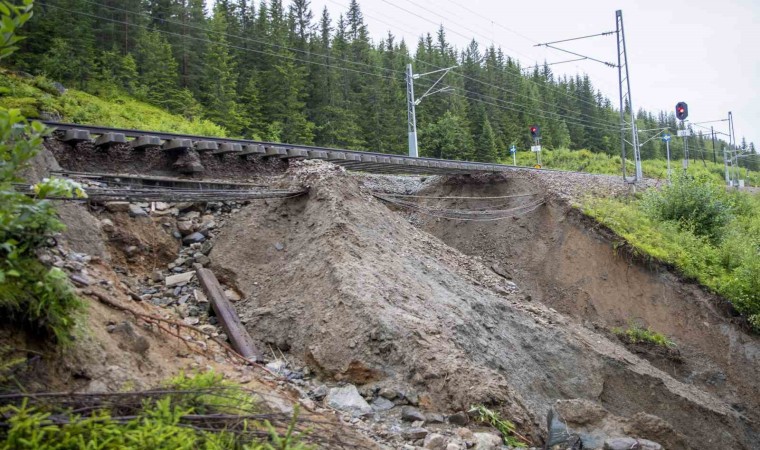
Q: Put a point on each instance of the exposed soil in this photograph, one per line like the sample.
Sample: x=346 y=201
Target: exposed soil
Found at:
x=85 y=157
x=116 y=351
x=355 y=291
x=513 y=313
x=562 y=259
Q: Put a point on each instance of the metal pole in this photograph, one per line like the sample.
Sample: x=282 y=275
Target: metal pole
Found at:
x=410 y=112
x=667 y=150
x=725 y=166
x=733 y=150
x=634 y=134
x=712 y=131
x=514 y=158
x=622 y=104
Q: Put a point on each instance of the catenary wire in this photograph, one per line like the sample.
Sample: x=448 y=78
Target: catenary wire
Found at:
x=579 y=119
x=524 y=108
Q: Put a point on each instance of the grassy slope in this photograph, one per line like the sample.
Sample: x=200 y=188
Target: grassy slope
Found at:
x=36 y=96
x=729 y=266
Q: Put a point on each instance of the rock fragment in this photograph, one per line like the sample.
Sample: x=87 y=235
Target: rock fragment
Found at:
x=347 y=399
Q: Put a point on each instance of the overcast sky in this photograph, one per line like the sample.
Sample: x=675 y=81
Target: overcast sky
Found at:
x=702 y=52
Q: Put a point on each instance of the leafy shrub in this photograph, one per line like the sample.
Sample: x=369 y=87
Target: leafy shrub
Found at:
x=31 y=293
x=692 y=203
x=637 y=334
x=212 y=393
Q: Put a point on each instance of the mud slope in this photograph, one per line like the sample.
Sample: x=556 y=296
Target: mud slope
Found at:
x=560 y=258
x=355 y=291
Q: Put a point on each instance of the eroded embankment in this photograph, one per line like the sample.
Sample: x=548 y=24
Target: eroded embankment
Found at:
x=355 y=291
x=562 y=259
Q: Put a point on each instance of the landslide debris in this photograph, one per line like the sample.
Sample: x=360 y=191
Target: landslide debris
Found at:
x=351 y=289
x=567 y=262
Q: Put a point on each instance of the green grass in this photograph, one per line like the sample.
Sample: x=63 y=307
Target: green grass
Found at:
x=637 y=334
x=157 y=423
x=36 y=96
x=728 y=266
x=587 y=161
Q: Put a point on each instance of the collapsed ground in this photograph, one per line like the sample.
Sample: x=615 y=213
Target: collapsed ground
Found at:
x=514 y=313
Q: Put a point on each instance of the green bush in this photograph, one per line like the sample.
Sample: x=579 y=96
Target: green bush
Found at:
x=31 y=293
x=637 y=334
x=213 y=393
x=693 y=203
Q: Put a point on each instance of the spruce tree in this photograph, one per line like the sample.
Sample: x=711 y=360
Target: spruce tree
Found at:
x=485 y=147
x=219 y=83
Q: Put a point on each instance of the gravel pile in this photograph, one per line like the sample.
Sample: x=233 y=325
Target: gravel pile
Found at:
x=570 y=186
x=395 y=184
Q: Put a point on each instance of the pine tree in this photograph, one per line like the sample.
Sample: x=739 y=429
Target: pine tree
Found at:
x=448 y=138
x=158 y=81
x=219 y=83
x=485 y=148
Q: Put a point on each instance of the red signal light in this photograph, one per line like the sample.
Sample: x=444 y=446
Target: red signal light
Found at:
x=682 y=110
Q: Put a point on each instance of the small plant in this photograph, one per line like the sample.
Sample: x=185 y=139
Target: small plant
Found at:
x=208 y=391
x=164 y=422
x=505 y=427
x=637 y=334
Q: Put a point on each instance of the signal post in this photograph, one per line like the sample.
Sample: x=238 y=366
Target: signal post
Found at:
x=535 y=133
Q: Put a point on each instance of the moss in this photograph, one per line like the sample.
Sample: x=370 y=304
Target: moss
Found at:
x=29 y=106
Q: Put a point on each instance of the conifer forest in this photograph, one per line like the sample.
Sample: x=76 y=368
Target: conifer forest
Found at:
x=279 y=71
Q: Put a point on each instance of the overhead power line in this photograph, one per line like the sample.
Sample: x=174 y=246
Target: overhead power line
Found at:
x=243 y=38
x=276 y=55
x=247 y=39
x=473 y=96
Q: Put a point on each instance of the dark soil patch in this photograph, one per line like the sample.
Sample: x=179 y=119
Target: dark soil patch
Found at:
x=85 y=157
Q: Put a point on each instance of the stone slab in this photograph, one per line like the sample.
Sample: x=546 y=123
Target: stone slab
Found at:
x=180 y=278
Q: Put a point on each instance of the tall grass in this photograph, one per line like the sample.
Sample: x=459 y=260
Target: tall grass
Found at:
x=37 y=97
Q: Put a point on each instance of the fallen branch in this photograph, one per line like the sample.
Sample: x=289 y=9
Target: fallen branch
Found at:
x=156 y=320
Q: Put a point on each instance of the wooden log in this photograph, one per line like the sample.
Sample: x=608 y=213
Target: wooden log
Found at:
x=227 y=316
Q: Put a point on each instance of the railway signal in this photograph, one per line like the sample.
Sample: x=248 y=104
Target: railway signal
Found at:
x=535 y=131
x=682 y=110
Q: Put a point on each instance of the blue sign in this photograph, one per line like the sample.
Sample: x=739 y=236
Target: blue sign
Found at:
x=512 y=149
x=665 y=137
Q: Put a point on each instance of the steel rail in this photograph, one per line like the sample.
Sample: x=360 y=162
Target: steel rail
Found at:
x=408 y=165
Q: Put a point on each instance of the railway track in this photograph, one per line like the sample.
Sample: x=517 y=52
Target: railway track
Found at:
x=364 y=161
